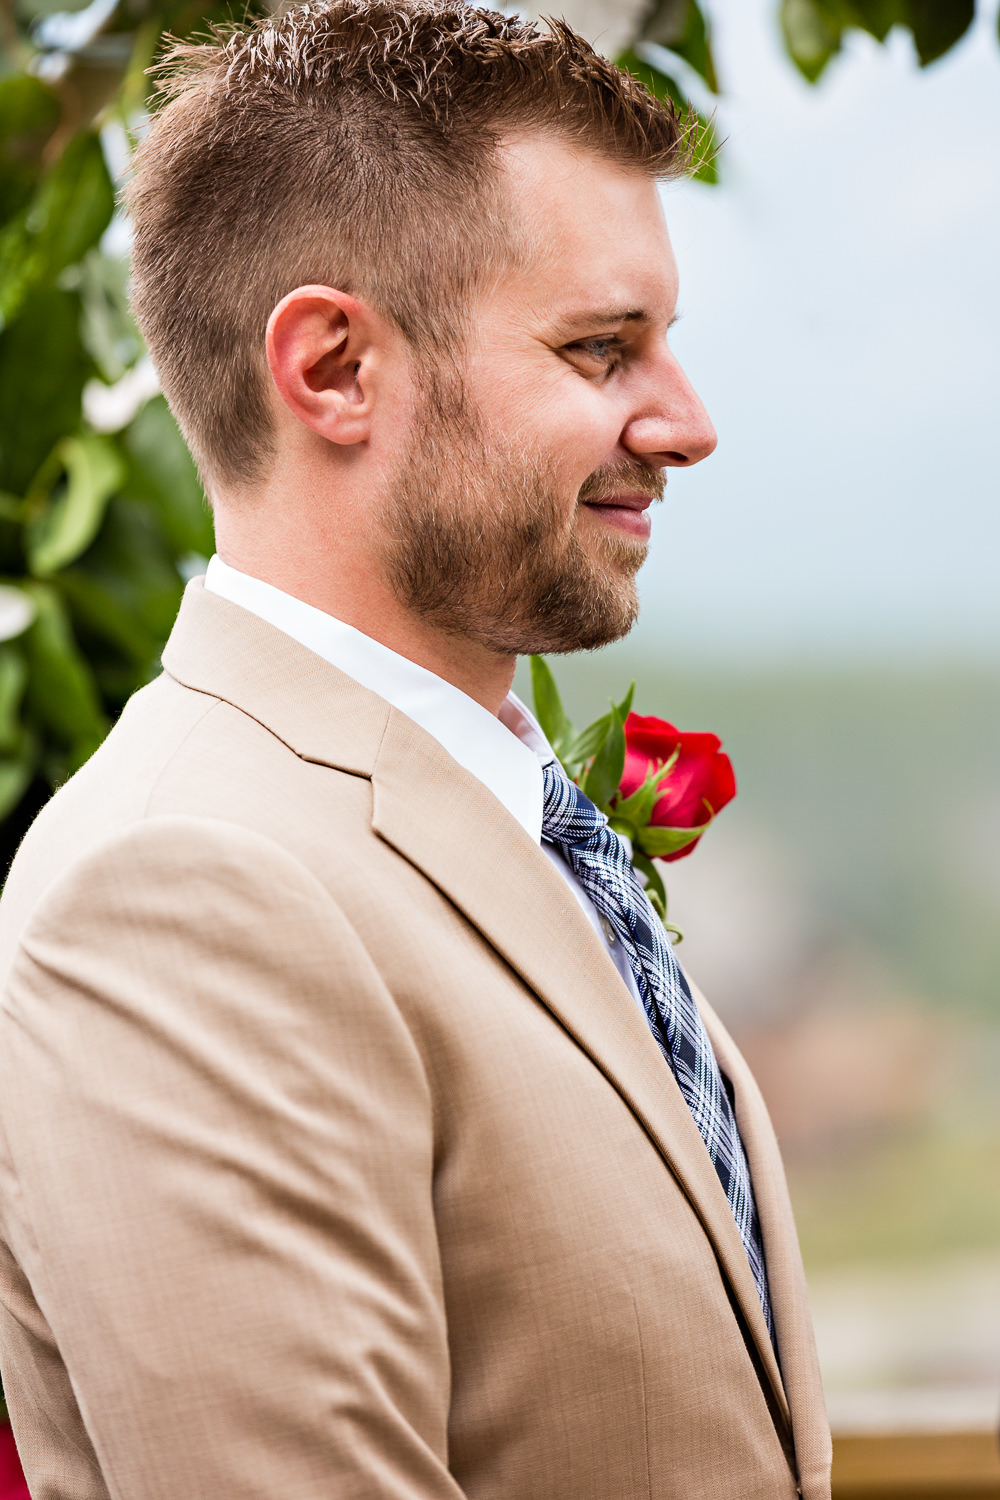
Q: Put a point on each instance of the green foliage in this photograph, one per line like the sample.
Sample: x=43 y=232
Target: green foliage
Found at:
x=60 y=528
x=65 y=216
x=43 y=369
x=548 y=707
x=676 y=32
x=29 y=113
x=97 y=528
x=602 y=776
x=680 y=27
x=662 y=86
x=673 y=36
x=814 y=29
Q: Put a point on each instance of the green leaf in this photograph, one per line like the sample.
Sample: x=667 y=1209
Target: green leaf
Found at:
x=12 y=507
x=605 y=773
x=656 y=842
x=657 y=83
x=937 y=25
x=588 y=741
x=133 y=567
x=17 y=744
x=61 y=695
x=638 y=808
x=655 y=889
x=15 y=776
x=704 y=145
x=162 y=471
x=43 y=368
x=107 y=328
x=27 y=107
x=66 y=528
x=549 y=710
x=877 y=17
x=814 y=29
x=99 y=616
x=680 y=26
x=812 y=35
x=625 y=706
x=706 y=149
x=69 y=212
x=13 y=677
x=29 y=112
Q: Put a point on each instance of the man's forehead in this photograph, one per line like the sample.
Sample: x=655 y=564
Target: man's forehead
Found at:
x=578 y=297
x=596 y=240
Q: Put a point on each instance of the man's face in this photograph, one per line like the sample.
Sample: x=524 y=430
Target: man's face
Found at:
x=520 y=518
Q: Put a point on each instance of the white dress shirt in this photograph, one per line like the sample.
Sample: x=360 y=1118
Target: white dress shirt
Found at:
x=506 y=753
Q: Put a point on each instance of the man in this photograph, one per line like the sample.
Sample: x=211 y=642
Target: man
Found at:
x=361 y=1136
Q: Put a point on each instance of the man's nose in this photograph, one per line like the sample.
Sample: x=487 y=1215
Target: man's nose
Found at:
x=673 y=429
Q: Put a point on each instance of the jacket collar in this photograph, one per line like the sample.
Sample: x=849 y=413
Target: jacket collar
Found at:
x=322 y=714
x=500 y=750
x=449 y=826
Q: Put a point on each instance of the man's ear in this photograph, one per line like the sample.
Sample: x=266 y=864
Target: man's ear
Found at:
x=323 y=349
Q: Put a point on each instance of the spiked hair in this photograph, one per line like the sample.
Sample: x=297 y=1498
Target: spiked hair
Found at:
x=350 y=143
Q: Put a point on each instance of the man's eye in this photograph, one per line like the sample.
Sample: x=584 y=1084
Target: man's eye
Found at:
x=605 y=351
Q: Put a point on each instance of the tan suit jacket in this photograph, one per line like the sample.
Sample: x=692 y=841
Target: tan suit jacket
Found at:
x=335 y=1159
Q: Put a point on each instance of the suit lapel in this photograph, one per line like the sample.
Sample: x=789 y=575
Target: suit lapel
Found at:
x=445 y=822
x=322 y=714
x=789 y=1296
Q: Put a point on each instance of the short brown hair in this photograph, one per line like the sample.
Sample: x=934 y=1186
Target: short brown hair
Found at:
x=349 y=143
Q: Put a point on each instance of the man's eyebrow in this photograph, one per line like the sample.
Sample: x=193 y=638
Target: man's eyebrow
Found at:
x=604 y=317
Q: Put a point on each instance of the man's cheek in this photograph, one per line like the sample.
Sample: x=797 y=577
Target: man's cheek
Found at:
x=581 y=420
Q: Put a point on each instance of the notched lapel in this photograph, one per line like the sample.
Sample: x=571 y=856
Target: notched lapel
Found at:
x=322 y=714
x=789 y=1295
x=447 y=824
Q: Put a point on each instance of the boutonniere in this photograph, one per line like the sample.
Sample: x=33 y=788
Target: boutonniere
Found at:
x=659 y=786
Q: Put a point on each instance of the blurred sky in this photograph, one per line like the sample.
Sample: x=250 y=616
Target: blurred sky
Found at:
x=841 y=319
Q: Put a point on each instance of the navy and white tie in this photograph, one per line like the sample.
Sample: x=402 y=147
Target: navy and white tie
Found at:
x=600 y=859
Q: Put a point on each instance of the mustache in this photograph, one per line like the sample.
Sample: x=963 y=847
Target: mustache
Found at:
x=623 y=477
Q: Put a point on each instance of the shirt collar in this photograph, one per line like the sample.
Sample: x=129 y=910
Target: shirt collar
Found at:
x=506 y=753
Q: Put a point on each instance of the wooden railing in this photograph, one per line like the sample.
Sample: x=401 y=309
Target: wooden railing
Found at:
x=917 y=1466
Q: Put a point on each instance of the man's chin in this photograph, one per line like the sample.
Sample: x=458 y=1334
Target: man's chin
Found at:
x=605 y=615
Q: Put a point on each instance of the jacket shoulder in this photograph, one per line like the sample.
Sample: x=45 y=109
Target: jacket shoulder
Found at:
x=175 y=753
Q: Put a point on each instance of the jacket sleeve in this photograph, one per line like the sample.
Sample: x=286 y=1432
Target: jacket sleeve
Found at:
x=218 y=1183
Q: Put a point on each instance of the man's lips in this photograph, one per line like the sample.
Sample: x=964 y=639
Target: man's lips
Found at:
x=625 y=501
x=626 y=512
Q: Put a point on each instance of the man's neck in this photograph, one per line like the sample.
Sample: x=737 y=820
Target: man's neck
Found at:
x=481 y=674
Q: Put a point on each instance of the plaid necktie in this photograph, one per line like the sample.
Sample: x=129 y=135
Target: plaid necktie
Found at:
x=600 y=860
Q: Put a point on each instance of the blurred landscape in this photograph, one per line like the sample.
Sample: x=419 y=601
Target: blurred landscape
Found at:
x=844 y=918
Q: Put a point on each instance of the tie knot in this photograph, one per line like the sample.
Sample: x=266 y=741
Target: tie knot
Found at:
x=568 y=816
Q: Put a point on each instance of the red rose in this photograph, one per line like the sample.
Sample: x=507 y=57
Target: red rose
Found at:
x=699 y=785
